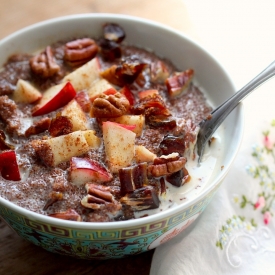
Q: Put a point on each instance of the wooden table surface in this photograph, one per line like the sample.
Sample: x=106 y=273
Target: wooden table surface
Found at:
x=18 y=256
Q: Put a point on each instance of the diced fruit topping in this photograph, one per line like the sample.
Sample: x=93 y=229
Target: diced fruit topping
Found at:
x=55 y=150
x=179 y=82
x=76 y=115
x=83 y=100
x=142 y=154
x=178 y=178
x=54 y=98
x=142 y=199
x=171 y=144
x=83 y=77
x=113 y=32
x=8 y=166
x=146 y=93
x=119 y=145
x=83 y=170
x=110 y=50
x=132 y=178
x=164 y=122
x=69 y=215
x=25 y=92
x=80 y=51
x=125 y=73
x=159 y=72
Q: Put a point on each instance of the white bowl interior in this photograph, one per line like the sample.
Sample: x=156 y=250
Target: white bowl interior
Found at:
x=165 y=42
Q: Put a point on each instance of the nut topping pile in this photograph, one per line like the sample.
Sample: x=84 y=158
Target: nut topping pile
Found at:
x=93 y=130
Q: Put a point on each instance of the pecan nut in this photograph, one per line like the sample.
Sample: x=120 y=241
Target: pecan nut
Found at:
x=166 y=165
x=108 y=106
x=80 y=51
x=44 y=64
x=69 y=215
x=97 y=195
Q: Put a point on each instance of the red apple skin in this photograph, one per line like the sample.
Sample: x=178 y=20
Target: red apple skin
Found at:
x=128 y=127
x=8 y=166
x=64 y=96
x=128 y=94
x=83 y=100
x=89 y=169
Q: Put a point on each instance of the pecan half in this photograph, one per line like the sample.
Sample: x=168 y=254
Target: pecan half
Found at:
x=44 y=63
x=70 y=215
x=80 y=51
x=166 y=165
x=97 y=195
x=110 y=106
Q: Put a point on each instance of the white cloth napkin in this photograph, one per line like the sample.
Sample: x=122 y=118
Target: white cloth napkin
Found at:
x=236 y=232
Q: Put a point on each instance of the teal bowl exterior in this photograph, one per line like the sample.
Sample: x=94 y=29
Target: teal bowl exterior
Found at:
x=119 y=239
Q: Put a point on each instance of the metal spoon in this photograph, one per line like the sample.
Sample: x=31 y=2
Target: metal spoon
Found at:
x=209 y=126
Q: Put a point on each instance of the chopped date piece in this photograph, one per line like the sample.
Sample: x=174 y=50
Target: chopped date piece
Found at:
x=53 y=198
x=80 y=51
x=132 y=178
x=44 y=64
x=164 y=122
x=171 y=144
x=113 y=32
x=178 y=178
x=39 y=127
x=142 y=199
x=108 y=106
x=151 y=106
x=109 y=49
x=125 y=73
x=178 y=83
x=60 y=125
x=69 y=215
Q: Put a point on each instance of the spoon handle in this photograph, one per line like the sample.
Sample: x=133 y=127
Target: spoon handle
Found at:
x=209 y=126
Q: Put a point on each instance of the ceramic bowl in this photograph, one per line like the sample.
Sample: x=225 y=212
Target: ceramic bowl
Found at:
x=118 y=239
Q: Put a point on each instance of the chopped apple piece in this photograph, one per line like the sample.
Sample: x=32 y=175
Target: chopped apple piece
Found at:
x=25 y=92
x=128 y=94
x=8 y=166
x=77 y=116
x=119 y=145
x=83 y=77
x=142 y=154
x=55 y=150
x=92 y=139
x=54 y=98
x=100 y=86
x=83 y=170
x=137 y=120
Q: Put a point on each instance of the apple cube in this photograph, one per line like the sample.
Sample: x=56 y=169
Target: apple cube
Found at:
x=54 y=98
x=8 y=166
x=119 y=145
x=76 y=115
x=142 y=154
x=25 y=92
x=55 y=150
x=100 y=86
x=137 y=120
x=92 y=140
x=83 y=77
x=83 y=170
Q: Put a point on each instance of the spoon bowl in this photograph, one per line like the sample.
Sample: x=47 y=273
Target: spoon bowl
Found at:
x=210 y=124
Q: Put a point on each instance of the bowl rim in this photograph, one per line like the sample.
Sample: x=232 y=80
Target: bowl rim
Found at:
x=154 y=217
